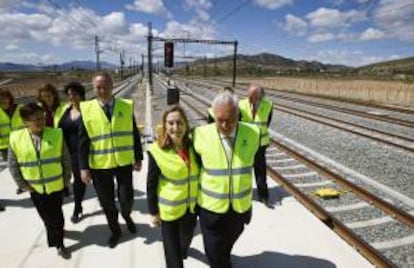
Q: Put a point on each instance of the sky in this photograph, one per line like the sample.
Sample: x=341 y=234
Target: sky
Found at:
x=349 y=32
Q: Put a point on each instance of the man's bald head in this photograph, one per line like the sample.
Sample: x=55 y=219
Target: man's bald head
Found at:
x=254 y=93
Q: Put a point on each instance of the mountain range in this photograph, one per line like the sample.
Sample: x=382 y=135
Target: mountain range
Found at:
x=259 y=64
x=68 y=66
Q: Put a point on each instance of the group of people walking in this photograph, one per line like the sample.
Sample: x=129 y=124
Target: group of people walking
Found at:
x=205 y=173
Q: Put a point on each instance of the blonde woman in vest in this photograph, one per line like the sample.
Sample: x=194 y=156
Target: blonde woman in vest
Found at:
x=172 y=184
x=257 y=110
x=10 y=120
x=39 y=162
x=227 y=149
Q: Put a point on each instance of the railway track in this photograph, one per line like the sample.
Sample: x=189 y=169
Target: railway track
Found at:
x=391 y=108
x=381 y=230
x=401 y=141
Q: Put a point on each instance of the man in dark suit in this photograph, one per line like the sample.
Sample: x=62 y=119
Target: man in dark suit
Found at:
x=110 y=146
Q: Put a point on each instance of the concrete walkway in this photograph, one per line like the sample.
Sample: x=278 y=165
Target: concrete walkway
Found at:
x=286 y=236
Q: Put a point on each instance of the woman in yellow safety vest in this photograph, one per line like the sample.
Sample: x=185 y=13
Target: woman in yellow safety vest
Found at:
x=9 y=120
x=39 y=163
x=48 y=97
x=172 y=185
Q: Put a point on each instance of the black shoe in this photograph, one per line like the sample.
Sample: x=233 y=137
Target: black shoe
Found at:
x=131 y=225
x=113 y=240
x=19 y=191
x=265 y=201
x=76 y=217
x=64 y=252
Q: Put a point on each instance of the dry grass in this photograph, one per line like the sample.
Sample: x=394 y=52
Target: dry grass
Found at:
x=385 y=92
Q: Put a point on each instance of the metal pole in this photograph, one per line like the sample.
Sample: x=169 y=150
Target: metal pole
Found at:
x=234 y=63
x=205 y=66
x=98 y=64
x=150 y=55
x=122 y=57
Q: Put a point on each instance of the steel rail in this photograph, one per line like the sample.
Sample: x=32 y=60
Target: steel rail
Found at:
x=308 y=116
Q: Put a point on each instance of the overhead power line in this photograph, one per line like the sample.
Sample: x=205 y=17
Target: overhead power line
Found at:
x=234 y=11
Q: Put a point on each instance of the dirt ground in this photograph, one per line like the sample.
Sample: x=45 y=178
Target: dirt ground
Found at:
x=384 y=92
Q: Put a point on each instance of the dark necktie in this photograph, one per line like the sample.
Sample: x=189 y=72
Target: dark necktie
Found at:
x=107 y=110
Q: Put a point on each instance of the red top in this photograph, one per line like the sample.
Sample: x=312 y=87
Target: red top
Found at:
x=183 y=153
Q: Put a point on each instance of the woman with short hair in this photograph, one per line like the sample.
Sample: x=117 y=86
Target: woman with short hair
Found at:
x=69 y=123
x=39 y=163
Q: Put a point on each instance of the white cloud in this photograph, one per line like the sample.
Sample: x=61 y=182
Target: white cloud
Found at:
x=27 y=57
x=272 y=4
x=11 y=47
x=22 y=26
x=198 y=4
x=347 y=57
x=321 y=37
x=295 y=25
x=149 y=6
x=372 y=34
x=6 y=5
x=175 y=29
x=200 y=7
x=332 y=18
x=395 y=18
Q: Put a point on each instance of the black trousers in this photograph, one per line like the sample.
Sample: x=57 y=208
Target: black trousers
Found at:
x=78 y=191
x=4 y=154
x=103 y=181
x=78 y=186
x=220 y=232
x=49 y=207
x=176 y=237
x=260 y=172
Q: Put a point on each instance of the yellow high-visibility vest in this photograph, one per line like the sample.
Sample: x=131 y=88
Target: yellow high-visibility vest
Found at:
x=8 y=124
x=261 y=118
x=211 y=113
x=44 y=172
x=224 y=183
x=178 y=183
x=112 y=142
x=58 y=114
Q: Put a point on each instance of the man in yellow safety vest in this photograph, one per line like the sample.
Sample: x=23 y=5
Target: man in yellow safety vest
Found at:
x=257 y=110
x=227 y=149
x=109 y=146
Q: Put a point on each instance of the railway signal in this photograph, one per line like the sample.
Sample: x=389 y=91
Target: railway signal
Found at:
x=168 y=54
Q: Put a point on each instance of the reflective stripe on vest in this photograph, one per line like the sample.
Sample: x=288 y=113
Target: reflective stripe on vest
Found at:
x=261 y=118
x=7 y=125
x=44 y=173
x=221 y=182
x=178 y=182
x=112 y=142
